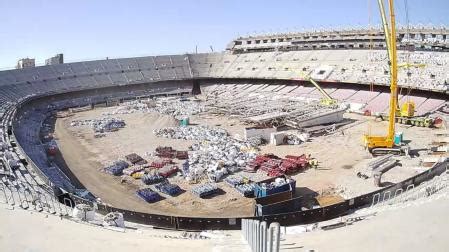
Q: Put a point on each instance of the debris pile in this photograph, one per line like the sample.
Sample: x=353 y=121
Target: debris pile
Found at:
x=177 y=108
x=129 y=107
x=105 y=124
x=215 y=155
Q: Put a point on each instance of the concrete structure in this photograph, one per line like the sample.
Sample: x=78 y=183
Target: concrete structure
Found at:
x=25 y=63
x=416 y=38
x=57 y=59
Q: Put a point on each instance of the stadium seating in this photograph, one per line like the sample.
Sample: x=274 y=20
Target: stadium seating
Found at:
x=345 y=66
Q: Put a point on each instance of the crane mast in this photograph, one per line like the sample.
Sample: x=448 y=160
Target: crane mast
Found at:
x=385 y=144
x=394 y=74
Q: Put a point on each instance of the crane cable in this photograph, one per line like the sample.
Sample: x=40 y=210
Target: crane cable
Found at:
x=371 y=46
x=407 y=22
x=371 y=85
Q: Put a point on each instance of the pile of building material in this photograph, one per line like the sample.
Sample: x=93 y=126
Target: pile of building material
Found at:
x=381 y=165
x=133 y=169
x=148 y=195
x=169 y=152
x=264 y=109
x=129 y=107
x=242 y=185
x=246 y=190
x=234 y=180
x=116 y=168
x=275 y=166
x=178 y=108
x=205 y=190
x=133 y=158
x=167 y=188
x=105 y=124
x=160 y=163
x=149 y=179
x=216 y=153
x=200 y=133
x=167 y=170
x=216 y=174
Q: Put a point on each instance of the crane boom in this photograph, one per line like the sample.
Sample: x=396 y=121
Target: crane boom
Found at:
x=385 y=26
x=327 y=100
x=324 y=93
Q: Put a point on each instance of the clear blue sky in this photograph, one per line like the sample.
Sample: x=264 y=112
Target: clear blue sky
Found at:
x=89 y=29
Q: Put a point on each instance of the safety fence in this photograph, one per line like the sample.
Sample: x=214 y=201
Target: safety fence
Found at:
x=260 y=237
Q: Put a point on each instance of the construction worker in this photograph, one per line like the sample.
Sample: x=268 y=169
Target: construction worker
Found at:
x=313 y=163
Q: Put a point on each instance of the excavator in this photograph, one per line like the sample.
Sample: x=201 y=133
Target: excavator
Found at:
x=379 y=145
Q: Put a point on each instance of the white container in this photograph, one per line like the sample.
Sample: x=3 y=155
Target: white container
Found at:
x=83 y=212
x=114 y=219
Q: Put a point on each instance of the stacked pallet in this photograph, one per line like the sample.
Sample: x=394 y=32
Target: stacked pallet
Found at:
x=275 y=166
x=254 y=165
x=133 y=169
x=149 y=179
x=161 y=163
x=167 y=188
x=148 y=195
x=169 y=152
x=246 y=190
x=133 y=158
x=205 y=190
x=116 y=168
x=167 y=171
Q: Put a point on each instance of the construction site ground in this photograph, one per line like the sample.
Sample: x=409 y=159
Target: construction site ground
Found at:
x=341 y=156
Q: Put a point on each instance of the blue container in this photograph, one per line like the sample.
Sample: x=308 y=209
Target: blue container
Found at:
x=398 y=137
x=184 y=122
x=269 y=189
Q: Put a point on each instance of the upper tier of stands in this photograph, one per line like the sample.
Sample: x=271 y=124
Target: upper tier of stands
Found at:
x=350 y=66
x=426 y=70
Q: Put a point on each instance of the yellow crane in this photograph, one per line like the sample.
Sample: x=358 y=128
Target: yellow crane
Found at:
x=407 y=109
x=386 y=144
x=405 y=114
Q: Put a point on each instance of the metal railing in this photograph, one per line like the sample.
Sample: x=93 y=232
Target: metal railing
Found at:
x=259 y=237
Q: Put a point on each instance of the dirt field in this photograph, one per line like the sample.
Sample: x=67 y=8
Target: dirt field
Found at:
x=340 y=156
x=86 y=155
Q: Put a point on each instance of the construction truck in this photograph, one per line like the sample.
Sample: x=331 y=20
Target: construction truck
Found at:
x=406 y=115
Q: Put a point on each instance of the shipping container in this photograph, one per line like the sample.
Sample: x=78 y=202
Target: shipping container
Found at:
x=270 y=186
